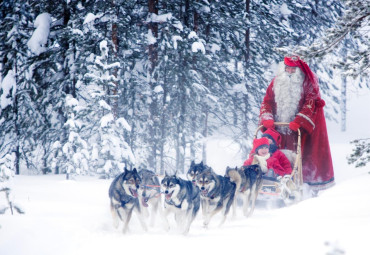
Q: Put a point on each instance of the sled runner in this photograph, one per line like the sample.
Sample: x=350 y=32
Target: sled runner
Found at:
x=289 y=188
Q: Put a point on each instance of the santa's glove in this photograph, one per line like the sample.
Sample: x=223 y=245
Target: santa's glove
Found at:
x=268 y=123
x=294 y=126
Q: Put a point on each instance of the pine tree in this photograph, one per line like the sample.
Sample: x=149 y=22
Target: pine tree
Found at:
x=46 y=97
x=109 y=151
x=76 y=149
x=353 y=22
x=13 y=54
x=361 y=153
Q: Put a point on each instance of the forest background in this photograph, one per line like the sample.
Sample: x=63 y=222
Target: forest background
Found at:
x=91 y=87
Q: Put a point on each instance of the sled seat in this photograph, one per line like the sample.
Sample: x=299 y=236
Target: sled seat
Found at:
x=291 y=155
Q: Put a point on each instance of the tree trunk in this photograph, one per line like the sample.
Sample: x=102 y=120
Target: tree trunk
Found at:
x=245 y=97
x=163 y=123
x=343 y=93
x=153 y=55
x=16 y=127
x=205 y=136
x=247 y=35
x=17 y=137
x=343 y=104
x=115 y=70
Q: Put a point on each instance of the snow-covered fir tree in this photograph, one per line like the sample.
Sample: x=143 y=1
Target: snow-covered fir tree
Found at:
x=76 y=150
x=354 y=22
x=16 y=22
x=109 y=153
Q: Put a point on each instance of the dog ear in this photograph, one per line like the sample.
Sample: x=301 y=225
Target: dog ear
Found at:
x=192 y=163
x=135 y=171
x=201 y=163
x=175 y=173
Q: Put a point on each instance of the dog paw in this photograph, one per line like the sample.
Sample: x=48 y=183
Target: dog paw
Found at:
x=205 y=224
x=166 y=227
x=124 y=231
x=115 y=223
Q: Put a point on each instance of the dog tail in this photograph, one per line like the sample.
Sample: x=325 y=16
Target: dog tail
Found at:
x=235 y=177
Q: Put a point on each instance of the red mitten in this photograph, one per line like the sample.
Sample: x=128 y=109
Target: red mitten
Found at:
x=294 y=126
x=268 y=123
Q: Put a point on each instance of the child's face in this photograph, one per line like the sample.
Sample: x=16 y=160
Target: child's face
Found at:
x=263 y=151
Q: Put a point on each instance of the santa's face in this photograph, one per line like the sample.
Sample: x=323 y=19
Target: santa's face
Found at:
x=290 y=69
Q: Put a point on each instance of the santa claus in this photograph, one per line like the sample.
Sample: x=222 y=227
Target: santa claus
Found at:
x=293 y=96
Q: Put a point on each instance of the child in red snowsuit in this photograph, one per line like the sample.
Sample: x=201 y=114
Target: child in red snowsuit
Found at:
x=265 y=152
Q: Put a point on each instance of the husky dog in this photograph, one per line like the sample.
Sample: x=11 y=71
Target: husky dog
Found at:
x=238 y=177
x=123 y=194
x=150 y=194
x=182 y=198
x=253 y=174
x=248 y=182
x=217 y=194
x=196 y=169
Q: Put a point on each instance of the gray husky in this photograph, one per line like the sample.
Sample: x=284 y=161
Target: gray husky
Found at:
x=196 y=169
x=248 y=182
x=150 y=194
x=217 y=194
x=182 y=198
x=123 y=194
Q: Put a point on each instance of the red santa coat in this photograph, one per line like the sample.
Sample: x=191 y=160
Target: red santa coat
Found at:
x=278 y=162
x=316 y=156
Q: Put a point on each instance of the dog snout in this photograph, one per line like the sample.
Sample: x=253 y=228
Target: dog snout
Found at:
x=166 y=191
x=202 y=188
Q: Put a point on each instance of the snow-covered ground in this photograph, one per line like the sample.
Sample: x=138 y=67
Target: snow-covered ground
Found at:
x=72 y=217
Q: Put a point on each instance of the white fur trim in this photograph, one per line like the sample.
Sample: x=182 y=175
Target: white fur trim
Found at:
x=267 y=116
x=307 y=118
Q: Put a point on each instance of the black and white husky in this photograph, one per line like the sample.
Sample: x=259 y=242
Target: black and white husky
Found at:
x=182 y=198
x=196 y=169
x=217 y=194
x=150 y=194
x=123 y=194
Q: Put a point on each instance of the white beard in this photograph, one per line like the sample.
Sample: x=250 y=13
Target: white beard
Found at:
x=288 y=92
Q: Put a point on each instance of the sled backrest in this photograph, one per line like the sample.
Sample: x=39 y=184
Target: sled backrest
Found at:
x=291 y=155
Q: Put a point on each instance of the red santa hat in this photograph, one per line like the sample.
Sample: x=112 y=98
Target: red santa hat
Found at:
x=274 y=135
x=295 y=61
x=259 y=144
